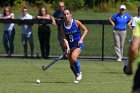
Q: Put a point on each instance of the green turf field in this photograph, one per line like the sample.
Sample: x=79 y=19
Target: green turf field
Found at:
x=19 y=76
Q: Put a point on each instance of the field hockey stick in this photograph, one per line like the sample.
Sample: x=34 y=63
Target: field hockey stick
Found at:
x=130 y=39
x=54 y=61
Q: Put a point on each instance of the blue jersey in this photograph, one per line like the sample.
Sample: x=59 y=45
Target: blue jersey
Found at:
x=121 y=21
x=73 y=33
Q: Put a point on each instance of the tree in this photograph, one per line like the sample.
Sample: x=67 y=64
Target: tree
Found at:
x=89 y=3
x=4 y=3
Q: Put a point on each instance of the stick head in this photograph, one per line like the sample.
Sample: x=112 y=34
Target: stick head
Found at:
x=43 y=68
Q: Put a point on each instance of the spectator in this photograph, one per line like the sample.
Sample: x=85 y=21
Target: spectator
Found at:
x=44 y=32
x=8 y=31
x=27 y=35
x=120 y=21
x=58 y=14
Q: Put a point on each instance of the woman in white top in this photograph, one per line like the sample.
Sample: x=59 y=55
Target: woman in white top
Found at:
x=9 y=31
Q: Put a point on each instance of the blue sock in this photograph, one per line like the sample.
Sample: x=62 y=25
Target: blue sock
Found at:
x=77 y=66
x=73 y=70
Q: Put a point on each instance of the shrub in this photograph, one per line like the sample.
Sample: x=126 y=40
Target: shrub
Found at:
x=76 y=4
x=19 y=4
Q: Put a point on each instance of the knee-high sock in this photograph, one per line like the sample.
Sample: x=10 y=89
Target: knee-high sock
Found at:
x=77 y=66
x=73 y=70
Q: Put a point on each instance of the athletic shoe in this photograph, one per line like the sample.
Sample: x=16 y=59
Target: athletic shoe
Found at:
x=76 y=81
x=79 y=76
x=119 y=60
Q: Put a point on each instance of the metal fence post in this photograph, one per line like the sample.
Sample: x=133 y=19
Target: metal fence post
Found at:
x=102 y=42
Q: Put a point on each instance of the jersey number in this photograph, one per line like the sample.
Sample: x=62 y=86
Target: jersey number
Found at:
x=71 y=38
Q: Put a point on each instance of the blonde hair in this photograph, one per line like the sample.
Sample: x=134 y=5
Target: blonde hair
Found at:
x=61 y=2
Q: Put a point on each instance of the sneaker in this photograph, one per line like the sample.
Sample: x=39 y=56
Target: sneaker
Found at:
x=119 y=60
x=76 y=81
x=79 y=76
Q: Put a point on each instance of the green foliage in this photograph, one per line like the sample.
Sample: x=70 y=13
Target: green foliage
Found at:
x=96 y=5
x=42 y=3
x=73 y=5
x=39 y=2
x=129 y=0
x=114 y=7
x=19 y=3
x=49 y=7
x=77 y=4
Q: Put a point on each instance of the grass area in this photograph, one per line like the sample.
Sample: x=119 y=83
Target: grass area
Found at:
x=19 y=76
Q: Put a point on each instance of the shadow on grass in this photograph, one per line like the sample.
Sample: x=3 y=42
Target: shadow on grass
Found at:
x=112 y=72
x=57 y=82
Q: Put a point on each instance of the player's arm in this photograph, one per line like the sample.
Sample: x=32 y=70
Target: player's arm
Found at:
x=133 y=24
x=65 y=40
x=129 y=24
x=85 y=31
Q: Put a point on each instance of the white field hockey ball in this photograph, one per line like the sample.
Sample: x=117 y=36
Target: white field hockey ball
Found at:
x=38 y=81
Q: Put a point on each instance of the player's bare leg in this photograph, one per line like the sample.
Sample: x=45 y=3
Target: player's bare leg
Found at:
x=75 y=64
